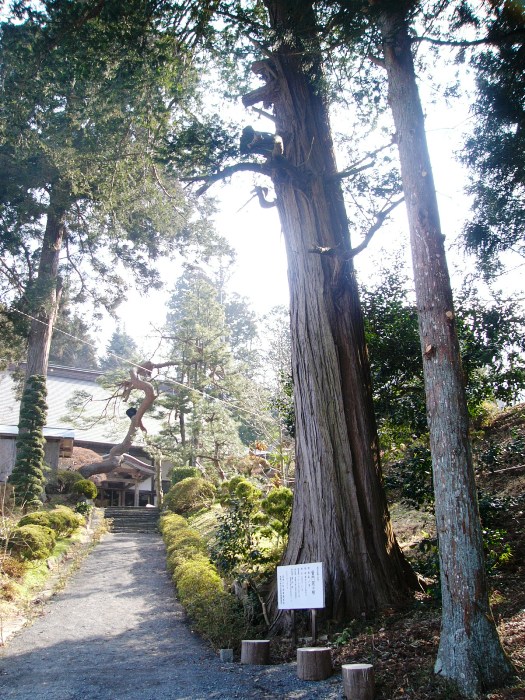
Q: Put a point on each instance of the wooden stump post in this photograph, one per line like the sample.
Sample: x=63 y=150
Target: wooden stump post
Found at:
x=255 y=651
x=314 y=663
x=358 y=681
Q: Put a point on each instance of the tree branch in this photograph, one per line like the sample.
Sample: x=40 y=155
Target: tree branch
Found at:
x=349 y=254
x=495 y=39
x=380 y=218
x=357 y=167
x=264 y=114
x=225 y=173
x=115 y=456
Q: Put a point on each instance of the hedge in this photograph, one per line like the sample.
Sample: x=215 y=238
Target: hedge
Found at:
x=216 y=615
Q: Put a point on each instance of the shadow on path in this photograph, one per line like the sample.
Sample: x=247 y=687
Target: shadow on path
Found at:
x=117 y=632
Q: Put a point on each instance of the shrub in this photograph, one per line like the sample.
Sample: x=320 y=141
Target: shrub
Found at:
x=216 y=615
x=278 y=507
x=11 y=567
x=66 y=520
x=86 y=488
x=83 y=508
x=63 y=482
x=180 y=473
x=189 y=545
x=62 y=520
x=189 y=494
x=32 y=542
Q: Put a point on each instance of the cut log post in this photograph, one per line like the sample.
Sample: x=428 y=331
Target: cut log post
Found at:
x=358 y=681
x=255 y=651
x=314 y=663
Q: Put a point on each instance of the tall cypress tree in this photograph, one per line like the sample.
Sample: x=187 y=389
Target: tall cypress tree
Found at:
x=28 y=476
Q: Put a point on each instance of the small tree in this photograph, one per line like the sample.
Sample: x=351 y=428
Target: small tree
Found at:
x=28 y=476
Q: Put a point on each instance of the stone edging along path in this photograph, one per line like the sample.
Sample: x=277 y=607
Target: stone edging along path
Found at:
x=117 y=631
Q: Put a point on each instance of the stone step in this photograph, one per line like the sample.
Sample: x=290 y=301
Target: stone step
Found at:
x=132 y=518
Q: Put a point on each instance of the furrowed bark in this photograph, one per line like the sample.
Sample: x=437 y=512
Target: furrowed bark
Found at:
x=470 y=652
x=340 y=515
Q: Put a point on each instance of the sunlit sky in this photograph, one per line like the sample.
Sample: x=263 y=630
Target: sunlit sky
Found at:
x=255 y=234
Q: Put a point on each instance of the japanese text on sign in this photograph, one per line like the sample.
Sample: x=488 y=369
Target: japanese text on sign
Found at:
x=300 y=587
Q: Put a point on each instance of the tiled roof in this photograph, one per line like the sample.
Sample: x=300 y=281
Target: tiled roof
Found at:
x=96 y=422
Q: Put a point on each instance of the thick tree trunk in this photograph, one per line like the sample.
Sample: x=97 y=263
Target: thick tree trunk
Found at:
x=45 y=296
x=340 y=515
x=470 y=652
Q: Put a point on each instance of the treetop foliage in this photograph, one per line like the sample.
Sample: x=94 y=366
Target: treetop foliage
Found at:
x=88 y=100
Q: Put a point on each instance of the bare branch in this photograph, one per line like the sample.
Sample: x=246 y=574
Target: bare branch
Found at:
x=75 y=268
x=225 y=173
x=380 y=218
x=262 y=113
x=345 y=254
x=262 y=193
x=357 y=167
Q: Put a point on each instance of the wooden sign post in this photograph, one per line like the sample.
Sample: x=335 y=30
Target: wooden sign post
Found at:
x=301 y=587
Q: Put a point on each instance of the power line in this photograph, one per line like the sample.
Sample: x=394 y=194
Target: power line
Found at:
x=167 y=379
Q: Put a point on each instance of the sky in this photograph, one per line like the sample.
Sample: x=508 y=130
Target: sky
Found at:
x=260 y=272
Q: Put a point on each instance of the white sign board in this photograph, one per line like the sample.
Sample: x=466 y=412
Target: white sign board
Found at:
x=300 y=587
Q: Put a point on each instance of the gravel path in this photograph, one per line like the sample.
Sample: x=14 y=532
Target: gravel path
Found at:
x=117 y=632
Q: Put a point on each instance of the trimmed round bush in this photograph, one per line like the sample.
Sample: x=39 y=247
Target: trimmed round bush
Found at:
x=186 y=538
x=62 y=520
x=86 y=488
x=32 y=542
x=180 y=473
x=190 y=494
x=198 y=585
x=188 y=545
x=69 y=520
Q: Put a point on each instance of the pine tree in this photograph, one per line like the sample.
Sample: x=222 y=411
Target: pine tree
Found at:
x=28 y=476
x=121 y=347
x=205 y=430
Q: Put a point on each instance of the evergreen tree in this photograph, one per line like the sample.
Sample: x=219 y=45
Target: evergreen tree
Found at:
x=468 y=632
x=85 y=101
x=205 y=430
x=340 y=514
x=28 y=476
x=494 y=150
x=120 y=347
x=72 y=345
